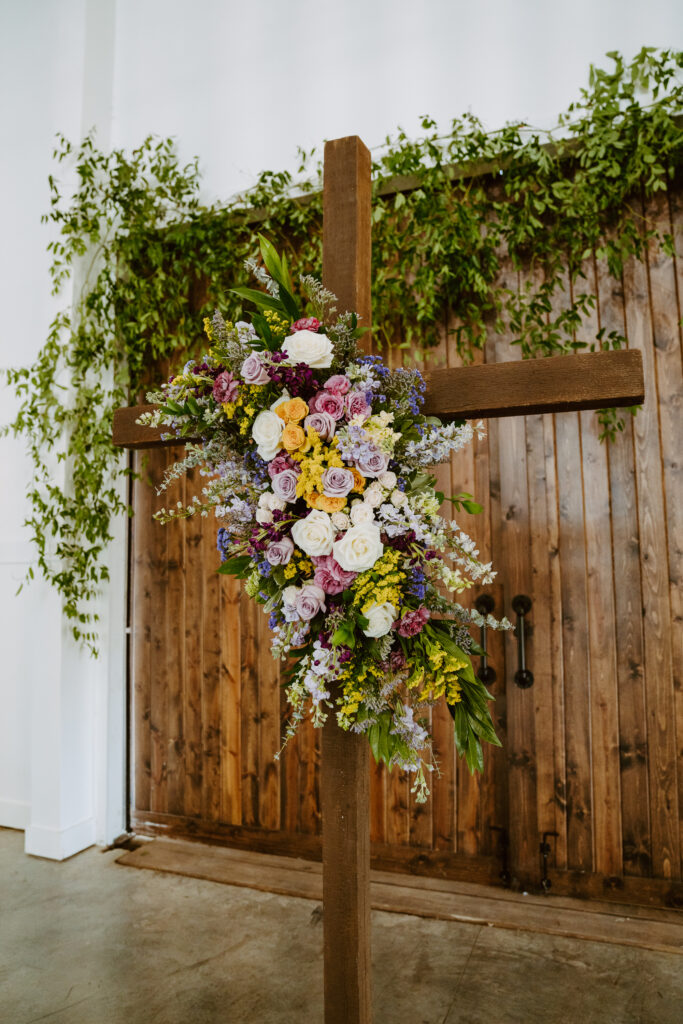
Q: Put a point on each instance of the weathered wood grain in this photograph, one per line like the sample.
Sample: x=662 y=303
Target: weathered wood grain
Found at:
x=556 y=384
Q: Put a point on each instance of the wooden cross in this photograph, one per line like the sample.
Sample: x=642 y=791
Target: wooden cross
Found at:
x=558 y=384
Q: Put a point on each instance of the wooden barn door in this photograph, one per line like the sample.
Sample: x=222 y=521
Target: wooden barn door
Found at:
x=592 y=534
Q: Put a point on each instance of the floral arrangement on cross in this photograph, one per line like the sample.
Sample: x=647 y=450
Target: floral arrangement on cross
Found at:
x=316 y=456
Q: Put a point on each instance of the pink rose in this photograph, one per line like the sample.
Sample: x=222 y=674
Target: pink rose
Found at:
x=225 y=388
x=330 y=576
x=338 y=384
x=356 y=404
x=307 y=323
x=280 y=463
x=327 y=401
x=413 y=622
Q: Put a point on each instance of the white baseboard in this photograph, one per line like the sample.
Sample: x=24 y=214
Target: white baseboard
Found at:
x=58 y=844
x=14 y=814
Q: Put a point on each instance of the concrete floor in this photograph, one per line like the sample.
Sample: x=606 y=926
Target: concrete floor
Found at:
x=91 y=942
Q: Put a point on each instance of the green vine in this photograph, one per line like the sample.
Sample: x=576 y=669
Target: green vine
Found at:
x=151 y=260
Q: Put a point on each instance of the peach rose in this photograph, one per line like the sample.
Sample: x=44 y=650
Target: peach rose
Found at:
x=326 y=504
x=292 y=411
x=358 y=479
x=292 y=437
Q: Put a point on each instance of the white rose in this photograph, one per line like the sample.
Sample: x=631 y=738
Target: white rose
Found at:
x=309 y=347
x=272 y=502
x=374 y=496
x=398 y=499
x=362 y=513
x=359 y=548
x=340 y=521
x=266 y=431
x=388 y=480
x=264 y=516
x=289 y=595
x=380 y=618
x=314 y=534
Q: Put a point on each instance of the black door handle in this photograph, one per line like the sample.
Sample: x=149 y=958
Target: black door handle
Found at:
x=521 y=604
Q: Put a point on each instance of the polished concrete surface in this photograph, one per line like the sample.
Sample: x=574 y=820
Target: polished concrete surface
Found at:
x=91 y=942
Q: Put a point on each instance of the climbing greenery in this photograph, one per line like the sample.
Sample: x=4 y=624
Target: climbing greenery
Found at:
x=474 y=232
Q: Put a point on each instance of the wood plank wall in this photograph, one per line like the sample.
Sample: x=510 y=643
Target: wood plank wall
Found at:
x=593 y=751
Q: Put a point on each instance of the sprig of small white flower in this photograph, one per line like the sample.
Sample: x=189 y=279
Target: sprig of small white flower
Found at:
x=262 y=276
x=440 y=442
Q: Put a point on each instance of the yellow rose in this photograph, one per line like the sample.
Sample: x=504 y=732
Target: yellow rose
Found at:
x=292 y=437
x=325 y=504
x=292 y=411
x=358 y=479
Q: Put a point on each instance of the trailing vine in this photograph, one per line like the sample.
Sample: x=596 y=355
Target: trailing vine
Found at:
x=154 y=260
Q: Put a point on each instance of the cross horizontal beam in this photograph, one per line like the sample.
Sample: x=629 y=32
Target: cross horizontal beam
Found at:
x=595 y=380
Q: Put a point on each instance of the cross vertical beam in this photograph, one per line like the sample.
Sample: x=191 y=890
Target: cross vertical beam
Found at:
x=345 y=769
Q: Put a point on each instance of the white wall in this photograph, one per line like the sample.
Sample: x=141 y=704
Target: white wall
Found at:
x=241 y=85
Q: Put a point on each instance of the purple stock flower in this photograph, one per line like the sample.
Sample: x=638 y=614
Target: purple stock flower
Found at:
x=284 y=485
x=225 y=388
x=337 y=482
x=280 y=551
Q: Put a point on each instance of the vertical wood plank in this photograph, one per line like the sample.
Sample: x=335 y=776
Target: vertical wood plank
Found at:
x=269 y=729
x=172 y=683
x=604 y=697
x=195 y=540
x=231 y=701
x=512 y=554
x=205 y=569
x=249 y=745
x=143 y=587
x=628 y=617
x=345 y=783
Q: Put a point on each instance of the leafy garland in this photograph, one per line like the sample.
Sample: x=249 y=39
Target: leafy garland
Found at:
x=154 y=260
x=315 y=456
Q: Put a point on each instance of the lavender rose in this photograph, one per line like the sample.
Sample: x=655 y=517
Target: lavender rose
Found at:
x=284 y=485
x=356 y=404
x=337 y=482
x=330 y=576
x=327 y=401
x=225 y=388
x=323 y=424
x=309 y=601
x=373 y=462
x=279 y=552
x=338 y=384
x=253 y=371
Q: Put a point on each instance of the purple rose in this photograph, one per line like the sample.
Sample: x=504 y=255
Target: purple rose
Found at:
x=225 y=388
x=280 y=551
x=326 y=401
x=356 y=404
x=280 y=463
x=373 y=462
x=338 y=384
x=323 y=424
x=253 y=371
x=284 y=485
x=337 y=482
x=330 y=576
x=413 y=622
x=309 y=601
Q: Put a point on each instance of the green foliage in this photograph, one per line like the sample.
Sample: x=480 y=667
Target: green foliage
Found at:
x=485 y=210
